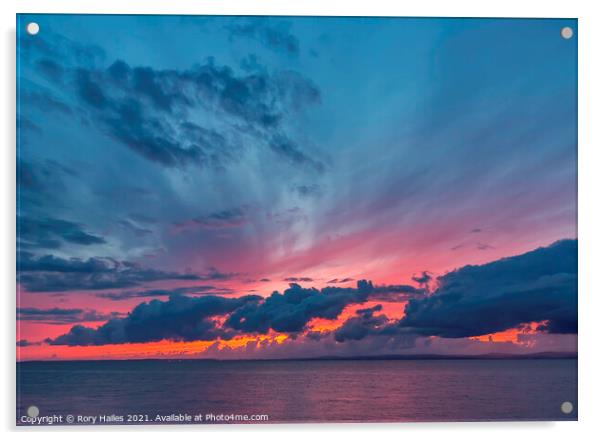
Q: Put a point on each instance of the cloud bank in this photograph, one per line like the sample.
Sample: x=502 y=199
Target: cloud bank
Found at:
x=539 y=286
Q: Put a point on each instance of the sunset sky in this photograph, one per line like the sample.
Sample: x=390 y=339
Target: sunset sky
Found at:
x=289 y=187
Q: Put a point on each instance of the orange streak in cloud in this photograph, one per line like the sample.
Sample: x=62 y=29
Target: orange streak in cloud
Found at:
x=393 y=310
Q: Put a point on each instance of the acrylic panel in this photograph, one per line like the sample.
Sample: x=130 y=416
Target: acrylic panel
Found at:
x=230 y=219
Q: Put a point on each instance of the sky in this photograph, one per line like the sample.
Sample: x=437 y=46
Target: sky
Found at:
x=266 y=187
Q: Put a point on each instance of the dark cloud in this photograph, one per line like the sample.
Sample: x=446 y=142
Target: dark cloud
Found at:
x=148 y=136
x=396 y=292
x=298 y=280
x=397 y=288
x=49 y=263
x=265 y=280
x=191 y=290
x=385 y=292
x=180 y=318
x=147 y=110
x=213 y=274
x=155 y=112
x=42 y=176
x=363 y=324
x=275 y=36
x=51 y=233
x=54 y=274
x=43 y=184
x=292 y=310
x=339 y=281
x=188 y=318
x=423 y=278
x=540 y=285
x=26 y=343
x=58 y=316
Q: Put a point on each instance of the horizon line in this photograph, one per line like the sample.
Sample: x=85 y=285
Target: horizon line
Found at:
x=488 y=356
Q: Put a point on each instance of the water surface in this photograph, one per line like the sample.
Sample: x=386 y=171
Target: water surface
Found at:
x=305 y=391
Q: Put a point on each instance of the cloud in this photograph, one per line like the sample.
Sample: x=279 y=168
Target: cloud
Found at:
x=49 y=263
x=298 y=280
x=339 y=281
x=134 y=228
x=42 y=175
x=537 y=286
x=229 y=218
x=291 y=310
x=54 y=274
x=45 y=183
x=363 y=324
x=180 y=318
x=275 y=36
x=50 y=69
x=44 y=101
x=191 y=290
x=156 y=112
x=52 y=233
x=423 y=278
x=58 y=316
x=288 y=149
x=396 y=292
x=183 y=318
x=58 y=50
x=255 y=100
x=26 y=343
x=148 y=110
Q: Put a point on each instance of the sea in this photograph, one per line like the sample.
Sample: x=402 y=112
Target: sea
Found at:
x=295 y=391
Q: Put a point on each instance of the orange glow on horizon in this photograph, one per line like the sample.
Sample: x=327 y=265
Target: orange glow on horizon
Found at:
x=148 y=350
x=511 y=334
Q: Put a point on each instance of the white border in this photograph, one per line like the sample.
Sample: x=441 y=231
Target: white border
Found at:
x=458 y=8
x=590 y=213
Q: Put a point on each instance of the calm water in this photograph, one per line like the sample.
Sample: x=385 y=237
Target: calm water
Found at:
x=305 y=391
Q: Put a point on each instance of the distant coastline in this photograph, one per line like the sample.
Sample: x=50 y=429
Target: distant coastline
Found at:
x=416 y=357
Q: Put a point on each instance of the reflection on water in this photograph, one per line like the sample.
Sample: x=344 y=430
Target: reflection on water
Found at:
x=306 y=391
